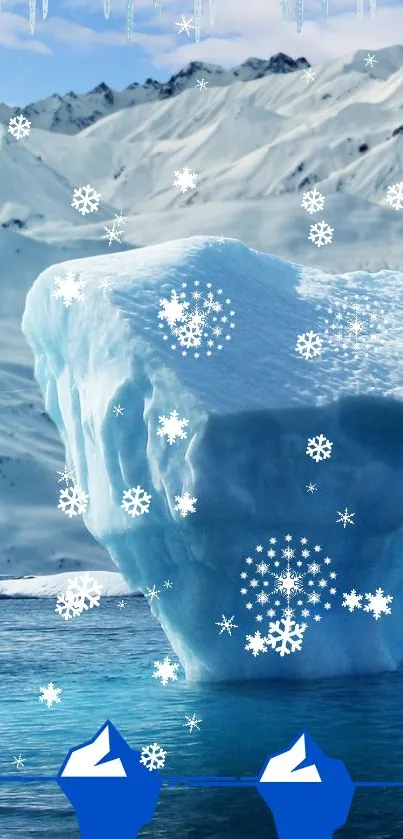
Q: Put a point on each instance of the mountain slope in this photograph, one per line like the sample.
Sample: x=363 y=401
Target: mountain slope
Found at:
x=71 y=113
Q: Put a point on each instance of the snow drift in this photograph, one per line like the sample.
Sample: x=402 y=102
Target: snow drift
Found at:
x=251 y=407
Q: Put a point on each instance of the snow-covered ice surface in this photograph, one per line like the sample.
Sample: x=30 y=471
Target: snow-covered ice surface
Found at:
x=251 y=408
x=113 y=585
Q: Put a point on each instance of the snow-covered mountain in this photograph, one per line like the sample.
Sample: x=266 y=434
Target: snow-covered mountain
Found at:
x=71 y=113
x=256 y=146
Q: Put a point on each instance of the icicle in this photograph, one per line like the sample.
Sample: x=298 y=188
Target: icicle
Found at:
x=197 y=16
x=325 y=7
x=360 y=8
x=285 y=4
x=372 y=7
x=158 y=7
x=45 y=8
x=129 y=18
x=300 y=14
x=32 y=15
x=107 y=8
x=212 y=12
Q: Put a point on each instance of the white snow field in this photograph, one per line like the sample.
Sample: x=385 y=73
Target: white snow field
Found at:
x=113 y=585
x=210 y=331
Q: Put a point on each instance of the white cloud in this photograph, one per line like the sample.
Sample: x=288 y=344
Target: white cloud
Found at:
x=240 y=30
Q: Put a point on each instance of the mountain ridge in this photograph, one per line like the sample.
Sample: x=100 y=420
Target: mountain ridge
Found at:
x=73 y=112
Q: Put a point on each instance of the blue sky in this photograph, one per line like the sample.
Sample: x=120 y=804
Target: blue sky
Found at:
x=76 y=47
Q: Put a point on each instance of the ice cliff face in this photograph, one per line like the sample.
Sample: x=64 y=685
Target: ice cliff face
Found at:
x=251 y=408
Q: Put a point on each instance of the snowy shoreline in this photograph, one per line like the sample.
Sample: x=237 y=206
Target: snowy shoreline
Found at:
x=113 y=585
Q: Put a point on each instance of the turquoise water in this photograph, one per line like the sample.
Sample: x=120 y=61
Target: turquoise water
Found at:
x=103 y=661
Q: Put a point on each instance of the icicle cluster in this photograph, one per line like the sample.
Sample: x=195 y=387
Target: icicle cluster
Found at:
x=299 y=8
x=285 y=6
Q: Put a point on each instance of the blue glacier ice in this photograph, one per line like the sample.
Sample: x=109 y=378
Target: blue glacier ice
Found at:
x=251 y=408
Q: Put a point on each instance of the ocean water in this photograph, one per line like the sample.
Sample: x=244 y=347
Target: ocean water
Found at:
x=103 y=661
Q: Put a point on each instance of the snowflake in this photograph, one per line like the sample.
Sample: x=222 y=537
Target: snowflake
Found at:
x=106 y=285
x=173 y=310
x=19 y=127
x=185 y=25
x=167 y=584
x=165 y=670
x=319 y=448
x=285 y=636
x=85 y=199
x=18 y=761
x=50 y=694
x=152 y=593
x=354 y=325
x=309 y=75
x=68 y=288
x=320 y=234
x=290 y=575
x=113 y=233
x=185 y=179
x=192 y=723
x=136 y=501
x=352 y=600
x=256 y=644
x=309 y=345
x=121 y=604
x=345 y=518
x=153 y=757
x=73 y=501
x=66 y=476
x=370 y=60
x=118 y=410
x=202 y=84
x=312 y=201
x=311 y=488
x=185 y=504
x=202 y=322
x=82 y=593
x=172 y=427
x=227 y=625
x=395 y=196
x=378 y=603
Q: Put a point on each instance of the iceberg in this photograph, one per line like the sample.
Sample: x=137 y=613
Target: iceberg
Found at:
x=224 y=363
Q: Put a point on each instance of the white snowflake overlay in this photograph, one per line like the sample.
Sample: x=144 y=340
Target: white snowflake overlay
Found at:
x=165 y=670
x=86 y=200
x=19 y=127
x=153 y=757
x=354 y=326
x=136 y=501
x=313 y=201
x=320 y=234
x=114 y=231
x=319 y=448
x=185 y=504
x=83 y=593
x=377 y=603
x=184 y=179
x=290 y=586
x=309 y=345
x=68 y=288
x=73 y=501
x=50 y=694
x=203 y=322
x=172 y=427
x=394 y=196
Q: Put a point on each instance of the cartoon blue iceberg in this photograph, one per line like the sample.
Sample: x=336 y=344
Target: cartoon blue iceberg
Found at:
x=308 y=793
x=113 y=794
